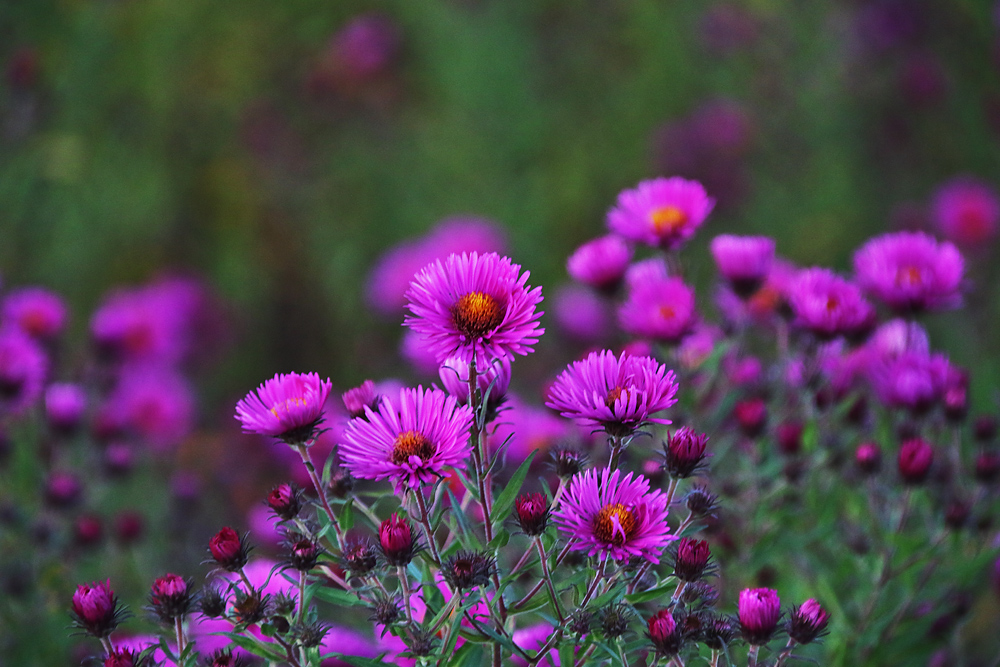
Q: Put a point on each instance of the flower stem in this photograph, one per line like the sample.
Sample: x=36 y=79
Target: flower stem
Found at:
x=425 y=520
x=752 y=656
x=404 y=584
x=179 y=629
x=616 y=452
x=311 y=469
x=548 y=578
x=302 y=597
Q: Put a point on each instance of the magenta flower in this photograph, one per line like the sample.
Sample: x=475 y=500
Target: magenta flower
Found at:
x=807 y=622
x=411 y=440
x=23 y=366
x=759 y=610
x=910 y=380
x=96 y=609
x=600 y=263
x=967 y=211
x=664 y=634
x=618 y=394
x=606 y=514
x=65 y=404
x=683 y=452
x=36 y=311
x=493 y=380
x=911 y=271
x=156 y=404
x=915 y=459
x=828 y=305
x=663 y=212
x=744 y=261
x=582 y=314
x=363 y=396
x=288 y=407
x=661 y=310
x=363 y=49
x=474 y=305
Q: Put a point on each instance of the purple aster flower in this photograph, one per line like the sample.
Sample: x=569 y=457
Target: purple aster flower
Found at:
x=360 y=397
x=154 y=403
x=807 y=622
x=582 y=315
x=759 y=611
x=288 y=407
x=475 y=306
x=137 y=325
x=911 y=271
x=494 y=379
x=896 y=337
x=23 y=366
x=645 y=271
x=967 y=211
x=661 y=310
x=910 y=380
x=363 y=49
x=411 y=440
x=606 y=514
x=697 y=347
x=600 y=263
x=413 y=348
x=618 y=394
x=65 y=404
x=744 y=261
x=663 y=212
x=829 y=306
x=38 y=312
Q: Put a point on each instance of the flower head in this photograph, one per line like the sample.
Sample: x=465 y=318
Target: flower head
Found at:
x=660 y=308
x=360 y=397
x=468 y=569
x=618 y=394
x=607 y=514
x=600 y=263
x=285 y=500
x=229 y=550
x=36 y=311
x=65 y=404
x=474 y=306
x=807 y=622
x=663 y=212
x=170 y=597
x=759 y=611
x=493 y=380
x=744 y=261
x=532 y=513
x=915 y=458
x=23 y=366
x=911 y=271
x=828 y=305
x=155 y=403
x=288 y=407
x=96 y=609
x=411 y=439
x=691 y=559
x=664 y=633
x=967 y=211
x=683 y=452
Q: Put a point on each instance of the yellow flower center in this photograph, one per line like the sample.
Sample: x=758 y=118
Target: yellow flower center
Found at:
x=614 y=395
x=476 y=314
x=614 y=524
x=908 y=276
x=286 y=407
x=667 y=220
x=411 y=443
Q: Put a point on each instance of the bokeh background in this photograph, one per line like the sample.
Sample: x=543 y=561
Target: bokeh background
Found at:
x=277 y=150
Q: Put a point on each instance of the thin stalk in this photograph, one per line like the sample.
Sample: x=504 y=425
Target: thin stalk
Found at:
x=616 y=452
x=425 y=521
x=333 y=576
x=714 y=662
x=548 y=579
x=302 y=597
x=530 y=594
x=314 y=478
x=367 y=511
x=785 y=652
x=671 y=490
x=108 y=646
x=404 y=583
x=179 y=630
x=586 y=656
x=681 y=585
x=637 y=579
x=621 y=653
x=752 y=656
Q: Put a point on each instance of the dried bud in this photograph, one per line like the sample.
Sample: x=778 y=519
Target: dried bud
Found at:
x=212 y=603
x=984 y=429
x=691 y=559
x=683 y=452
x=988 y=467
x=807 y=622
x=700 y=502
x=341 y=484
x=468 y=569
x=915 y=458
x=250 y=607
x=615 y=619
x=170 y=597
x=868 y=457
x=759 y=613
x=751 y=414
x=790 y=437
x=385 y=612
x=699 y=593
x=359 y=556
x=229 y=550
x=303 y=552
x=285 y=500
x=581 y=621
x=283 y=604
x=225 y=658
x=664 y=633
x=310 y=635
x=397 y=542
x=96 y=609
x=718 y=631
x=568 y=462
x=532 y=513
x=422 y=643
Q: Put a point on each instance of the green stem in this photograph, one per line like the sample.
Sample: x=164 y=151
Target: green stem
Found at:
x=425 y=520
x=404 y=584
x=314 y=478
x=548 y=579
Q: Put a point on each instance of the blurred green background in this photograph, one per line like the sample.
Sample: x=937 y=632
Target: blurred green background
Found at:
x=220 y=138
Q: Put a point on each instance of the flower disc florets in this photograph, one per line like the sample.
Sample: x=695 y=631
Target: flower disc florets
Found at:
x=619 y=394
x=474 y=305
x=607 y=514
x=288 y=407
x=412 y=440
x=663 y=212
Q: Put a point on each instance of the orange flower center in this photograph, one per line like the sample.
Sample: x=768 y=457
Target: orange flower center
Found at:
x=285 y=408
x=614 y=524
x=614 y=395
x=832 y=303
x=667 y=312
x=411 y=443
x=908 y=276
x=667 y=220
x=476 y=314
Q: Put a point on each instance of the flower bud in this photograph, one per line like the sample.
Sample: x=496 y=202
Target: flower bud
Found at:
x=751 y=414
x=615 y=619
x=250 y=607
x=789 y=435
x=759 y=610
x=225 y=658
x=868 y=457
x=532 y=513
x=984 y=429
x=212 y=603
x=96 y=609
x=988 y=467
x=302 y=552
x=701 y=502
x=359 y=556
x=170 y=597
x=118 y=459
x=285 y=500
x=229 y=550
x=88 y=530
x=683 y=452
x=385 y=611
x=956 y=514
x=567 y=462
x=341 y=483
x=396 y=539
x=691 y=559
x=664 y=634
x=123 y=657
x=62 y=490
x=129 y=527
x=64 y=406
x=807 y=622
x=468 y=569
x=915 y=458
x=717 y=632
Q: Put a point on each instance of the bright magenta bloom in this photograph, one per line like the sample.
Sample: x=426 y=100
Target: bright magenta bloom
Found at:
x=663 y=212
x=828 y=305
x=911 y=271
x=618 y=394
x=759 y=610
x=661 y=309
x=474 y=305
x=607 y=514
x=36 y=311
x=286 y=406
x=967 y=211
x=743 y=260
x=23 y=367
x=411 y=440
x=600 y=263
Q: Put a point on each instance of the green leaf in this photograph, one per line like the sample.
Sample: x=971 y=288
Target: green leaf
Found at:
x=467 y=532
x=338 y=597
x=505 y=501
x=652 y=594
x=614 y=594
x=566 y=656
x=470 y=654
x=499 y=541
x=347 y=516
x=355 y=660
x=258 y=648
